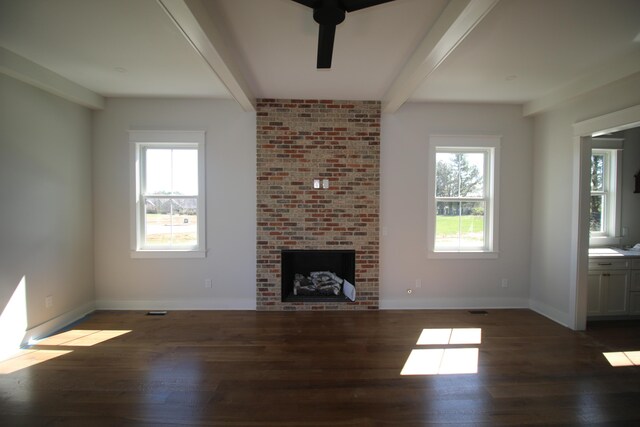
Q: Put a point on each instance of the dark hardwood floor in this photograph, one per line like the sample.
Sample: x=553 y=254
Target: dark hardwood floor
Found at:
x=244 y=368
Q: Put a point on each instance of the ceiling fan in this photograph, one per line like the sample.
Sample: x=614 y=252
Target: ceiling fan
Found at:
x=329 y=13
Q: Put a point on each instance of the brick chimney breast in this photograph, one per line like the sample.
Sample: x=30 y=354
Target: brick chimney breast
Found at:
x=338 y=144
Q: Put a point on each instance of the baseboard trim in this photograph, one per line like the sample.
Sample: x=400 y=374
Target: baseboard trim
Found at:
x=57 y=323
x=217 y=304
x=452 y=303
x=550 y=312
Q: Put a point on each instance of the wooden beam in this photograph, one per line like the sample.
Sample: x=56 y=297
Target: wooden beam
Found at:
x=193 y=20
x=611 y=72
x=29 y=72
x=453 y=25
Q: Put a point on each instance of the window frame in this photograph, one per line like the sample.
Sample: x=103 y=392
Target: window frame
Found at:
x=604 y=193
x=140 y=141
x=612 y=150
x=490 y=145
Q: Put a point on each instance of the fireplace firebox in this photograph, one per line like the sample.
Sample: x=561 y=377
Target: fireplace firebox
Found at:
x=318 y=275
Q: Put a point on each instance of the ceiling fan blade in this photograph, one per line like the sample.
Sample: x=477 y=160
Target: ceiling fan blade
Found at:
x=308 y=3
x=353 y=5
x=326 y=35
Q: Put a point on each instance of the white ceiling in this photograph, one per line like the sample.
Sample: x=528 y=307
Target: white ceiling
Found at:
x=516 y=51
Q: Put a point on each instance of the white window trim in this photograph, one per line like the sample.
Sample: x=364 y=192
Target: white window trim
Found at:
x=139 y=139
x=612 y=147
x=473 y=143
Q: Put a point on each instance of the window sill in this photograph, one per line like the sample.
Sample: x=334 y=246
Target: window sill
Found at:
x=595 y=242
x=462 y=255
x=168 y=254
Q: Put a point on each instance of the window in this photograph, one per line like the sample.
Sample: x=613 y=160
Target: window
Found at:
x=599 y=192
x=604 y=205
x=168 y=194
x=463 y=196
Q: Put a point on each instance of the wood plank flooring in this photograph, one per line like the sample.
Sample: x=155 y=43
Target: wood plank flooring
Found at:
x=245 y=368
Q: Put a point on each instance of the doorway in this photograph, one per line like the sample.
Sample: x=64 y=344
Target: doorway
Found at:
x=583 y=132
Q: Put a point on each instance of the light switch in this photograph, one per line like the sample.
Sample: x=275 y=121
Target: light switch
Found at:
x=325 y=183
x=316 y=183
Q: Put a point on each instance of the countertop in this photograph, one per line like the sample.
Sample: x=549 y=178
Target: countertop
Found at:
x=612 y=252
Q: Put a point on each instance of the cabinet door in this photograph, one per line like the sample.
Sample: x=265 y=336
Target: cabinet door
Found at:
x=616 y=292
x=634 y=303
x=594 y=294
x=635 y=281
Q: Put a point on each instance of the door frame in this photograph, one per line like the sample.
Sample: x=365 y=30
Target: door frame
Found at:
x=582 y=133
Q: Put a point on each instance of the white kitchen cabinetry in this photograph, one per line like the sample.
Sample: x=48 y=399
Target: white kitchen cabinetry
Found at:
x=608 y=291
x=634 y=288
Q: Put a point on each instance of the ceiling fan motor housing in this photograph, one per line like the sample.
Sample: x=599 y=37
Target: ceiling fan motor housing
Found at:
x=329 y=13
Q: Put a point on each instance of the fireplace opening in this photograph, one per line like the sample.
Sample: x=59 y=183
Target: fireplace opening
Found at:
x=318 y=275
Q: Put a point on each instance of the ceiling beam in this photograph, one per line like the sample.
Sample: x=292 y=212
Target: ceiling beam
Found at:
x=29 y=72
x=452 y=26
x=193 y=20
x=611 y=72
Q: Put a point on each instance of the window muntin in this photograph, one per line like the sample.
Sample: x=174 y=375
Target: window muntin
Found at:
x=462 y=196
x=168 y=192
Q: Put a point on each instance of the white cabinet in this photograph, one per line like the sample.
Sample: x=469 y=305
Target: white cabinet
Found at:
x=634 y=287
x=613 y=286
x=608 y=293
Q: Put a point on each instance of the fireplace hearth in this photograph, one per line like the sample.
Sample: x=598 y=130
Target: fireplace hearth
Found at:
x=318 y=275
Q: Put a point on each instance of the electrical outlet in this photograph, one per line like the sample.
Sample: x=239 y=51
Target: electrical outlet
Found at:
x=418 y=283
x=505 y=283
x=207 y=283
x=48 y=301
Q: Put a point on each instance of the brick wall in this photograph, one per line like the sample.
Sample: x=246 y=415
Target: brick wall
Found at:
x=302 y=140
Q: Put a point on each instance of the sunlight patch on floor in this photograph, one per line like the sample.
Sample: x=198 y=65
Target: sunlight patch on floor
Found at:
x=623 y=358
x=81 y=338
x=441 y=361
x=444 y=336
x=25 y=358
x=73 y=338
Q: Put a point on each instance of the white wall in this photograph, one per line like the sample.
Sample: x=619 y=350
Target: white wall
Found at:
x=630 y=216
x=452 y=283
x=553 y=159
x=45 y=204
x=123 y=282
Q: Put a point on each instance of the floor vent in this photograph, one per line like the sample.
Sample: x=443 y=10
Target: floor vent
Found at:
x=156 y=313
x=478 y=312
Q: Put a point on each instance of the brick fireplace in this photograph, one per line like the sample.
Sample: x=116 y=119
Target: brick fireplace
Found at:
x=332 y=144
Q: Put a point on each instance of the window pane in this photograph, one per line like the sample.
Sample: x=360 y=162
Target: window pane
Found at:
x=185 y=172
x=472 y=225
x=171 y=171
x=157 y=171
x=185 y=222
x=447 y=225
x=459 y=174
x=170 y=222
x=597 y=172
x=446 y=175
x=596 y=219
x=460 y=225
